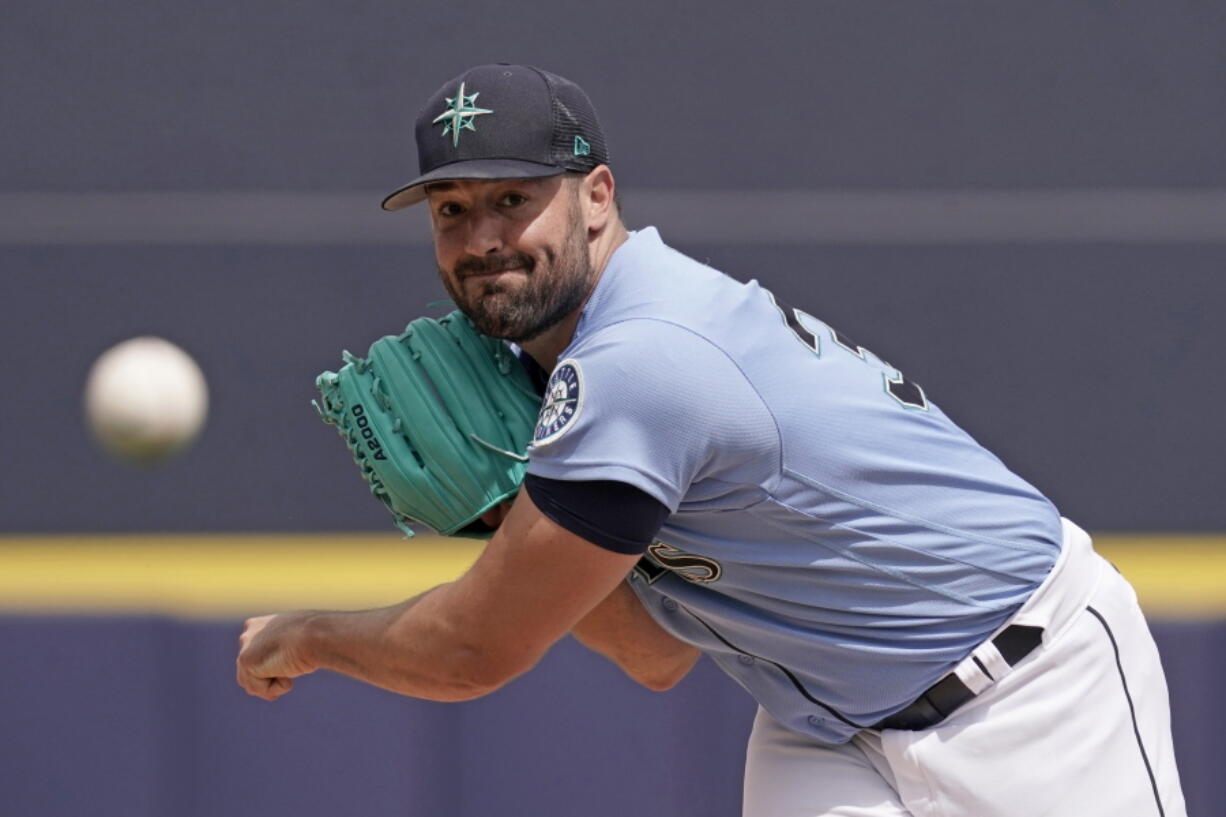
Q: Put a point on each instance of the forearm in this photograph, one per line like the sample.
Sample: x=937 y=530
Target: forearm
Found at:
x=412 y=648
x=620 y=629
x=527 y=589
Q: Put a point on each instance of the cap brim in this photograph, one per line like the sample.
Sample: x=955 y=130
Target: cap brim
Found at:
x=476 y=169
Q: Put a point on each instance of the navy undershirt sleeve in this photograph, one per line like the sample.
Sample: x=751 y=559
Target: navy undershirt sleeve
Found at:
x=614 y=515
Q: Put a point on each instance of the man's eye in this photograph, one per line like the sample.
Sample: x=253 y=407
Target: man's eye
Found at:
x=449 y=208
x=513 y=200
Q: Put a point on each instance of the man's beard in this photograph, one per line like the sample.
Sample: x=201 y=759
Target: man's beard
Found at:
x=544 y=300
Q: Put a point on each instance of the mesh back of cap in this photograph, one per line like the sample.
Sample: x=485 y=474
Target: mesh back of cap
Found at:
x=574 y=117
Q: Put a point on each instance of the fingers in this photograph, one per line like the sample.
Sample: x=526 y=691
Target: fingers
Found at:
x=269 y=689
x=274 y=688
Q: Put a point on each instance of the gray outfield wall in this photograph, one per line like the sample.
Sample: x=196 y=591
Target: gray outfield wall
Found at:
x=1092 y=369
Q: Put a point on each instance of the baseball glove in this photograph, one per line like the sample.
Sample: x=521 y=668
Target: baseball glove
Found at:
x=438 y=419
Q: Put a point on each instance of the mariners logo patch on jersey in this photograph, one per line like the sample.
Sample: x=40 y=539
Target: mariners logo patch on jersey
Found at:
x=563 y=400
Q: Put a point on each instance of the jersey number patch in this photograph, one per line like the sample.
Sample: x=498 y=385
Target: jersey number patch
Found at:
x=809 y=331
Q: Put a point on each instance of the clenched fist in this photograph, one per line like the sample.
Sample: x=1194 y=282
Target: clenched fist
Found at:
x=270 y=654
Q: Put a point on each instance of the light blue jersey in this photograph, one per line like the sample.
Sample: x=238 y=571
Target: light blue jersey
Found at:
x=836 y=544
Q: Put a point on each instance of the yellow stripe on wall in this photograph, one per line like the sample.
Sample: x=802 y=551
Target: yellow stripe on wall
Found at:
x=237 y=575
x=1175 y=575
x=223 y=576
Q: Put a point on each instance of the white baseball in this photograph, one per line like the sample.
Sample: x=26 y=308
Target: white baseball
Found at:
x=145 y=399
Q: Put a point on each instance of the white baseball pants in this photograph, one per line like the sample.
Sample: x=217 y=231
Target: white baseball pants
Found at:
x=1078 y=728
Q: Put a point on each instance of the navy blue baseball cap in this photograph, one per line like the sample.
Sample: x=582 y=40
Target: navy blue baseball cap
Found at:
x=503 y=122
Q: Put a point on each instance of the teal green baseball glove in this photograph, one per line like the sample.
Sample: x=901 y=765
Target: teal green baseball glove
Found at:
x=438 y=419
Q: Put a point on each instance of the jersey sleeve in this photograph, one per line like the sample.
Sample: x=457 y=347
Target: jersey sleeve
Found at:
x=655 y=406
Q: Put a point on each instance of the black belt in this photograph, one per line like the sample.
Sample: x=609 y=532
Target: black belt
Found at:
x=942 y=698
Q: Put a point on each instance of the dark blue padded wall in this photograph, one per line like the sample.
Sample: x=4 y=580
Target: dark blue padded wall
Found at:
x=141 y=717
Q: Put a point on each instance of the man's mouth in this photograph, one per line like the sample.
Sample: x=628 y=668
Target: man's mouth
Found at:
x=487 y=273
x=495 y=268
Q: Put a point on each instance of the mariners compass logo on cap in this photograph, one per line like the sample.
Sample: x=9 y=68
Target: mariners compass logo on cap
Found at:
x=461 y=109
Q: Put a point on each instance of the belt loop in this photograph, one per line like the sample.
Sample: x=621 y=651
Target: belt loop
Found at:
x=974 y=676
x=994 y=664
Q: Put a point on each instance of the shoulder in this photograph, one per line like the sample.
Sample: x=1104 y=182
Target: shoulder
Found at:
x=649 y=373
x=647 y=354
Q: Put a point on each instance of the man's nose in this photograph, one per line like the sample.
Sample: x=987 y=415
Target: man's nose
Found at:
x=484 y=234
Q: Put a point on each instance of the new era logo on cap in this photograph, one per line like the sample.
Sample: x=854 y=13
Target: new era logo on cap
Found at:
x=503 y=122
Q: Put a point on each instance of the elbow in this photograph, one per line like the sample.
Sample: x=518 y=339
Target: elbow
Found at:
x=458 y=693
x=659 y=683
x=663 y=677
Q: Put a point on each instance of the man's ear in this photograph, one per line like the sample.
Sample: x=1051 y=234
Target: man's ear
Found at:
x=597 y=191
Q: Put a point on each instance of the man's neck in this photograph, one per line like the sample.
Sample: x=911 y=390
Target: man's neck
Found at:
x=548 y=346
